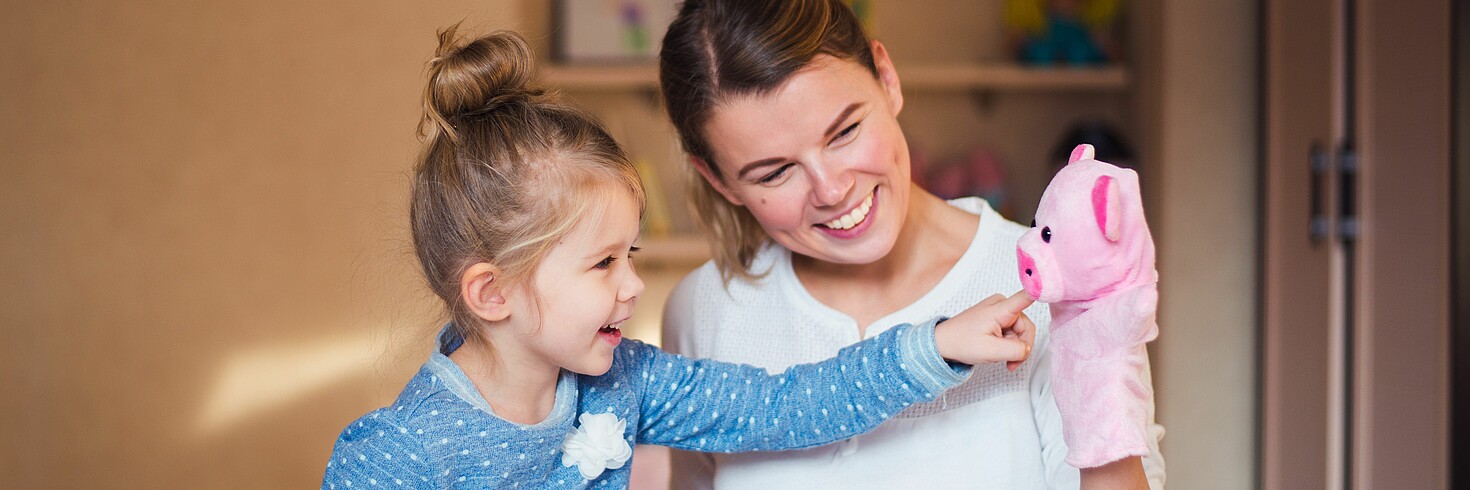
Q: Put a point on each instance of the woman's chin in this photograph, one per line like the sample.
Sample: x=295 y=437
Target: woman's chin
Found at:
x=871 y=248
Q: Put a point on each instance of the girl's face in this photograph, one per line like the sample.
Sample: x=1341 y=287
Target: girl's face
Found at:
x=820 y=162
x=587 y=289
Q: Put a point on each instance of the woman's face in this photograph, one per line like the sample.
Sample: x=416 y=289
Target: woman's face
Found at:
x=820 y=162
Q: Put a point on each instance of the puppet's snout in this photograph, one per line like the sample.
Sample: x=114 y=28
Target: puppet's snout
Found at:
x=1030 y=277
x=1037 y=268
x=1034 y=268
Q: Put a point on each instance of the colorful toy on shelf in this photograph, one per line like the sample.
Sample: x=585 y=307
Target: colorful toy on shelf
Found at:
x=1068 y=32
x=1090 y=256
x=863 y=9
x=1107 y=143
x=976 y=173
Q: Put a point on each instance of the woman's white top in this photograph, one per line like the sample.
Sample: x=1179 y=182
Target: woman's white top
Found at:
x=998 y=429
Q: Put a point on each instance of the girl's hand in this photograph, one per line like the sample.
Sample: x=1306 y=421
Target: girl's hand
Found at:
x=993 y=331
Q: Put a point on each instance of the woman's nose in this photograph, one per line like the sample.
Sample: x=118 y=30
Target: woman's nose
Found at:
x=830 y=185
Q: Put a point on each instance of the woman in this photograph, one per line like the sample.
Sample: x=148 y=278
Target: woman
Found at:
x=788 y=113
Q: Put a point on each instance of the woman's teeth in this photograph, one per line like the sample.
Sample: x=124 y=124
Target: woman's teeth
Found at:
x=853 y=218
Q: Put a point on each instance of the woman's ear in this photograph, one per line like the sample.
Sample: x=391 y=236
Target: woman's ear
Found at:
x=482 y=292
x=887 y=75
x=714 y=181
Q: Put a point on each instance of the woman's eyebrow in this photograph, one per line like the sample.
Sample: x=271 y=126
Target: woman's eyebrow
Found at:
x=757 y=164
x=842 y=117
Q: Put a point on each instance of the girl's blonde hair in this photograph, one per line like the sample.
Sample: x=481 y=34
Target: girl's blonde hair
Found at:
x=506 y=169
x=716 y=50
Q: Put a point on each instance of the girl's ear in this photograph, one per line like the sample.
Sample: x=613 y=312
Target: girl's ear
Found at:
x=887 y=75
x=714 y=181
x=482 y=294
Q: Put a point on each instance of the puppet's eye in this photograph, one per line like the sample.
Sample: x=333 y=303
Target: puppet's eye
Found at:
x=1046 y=234
x=1033 y=223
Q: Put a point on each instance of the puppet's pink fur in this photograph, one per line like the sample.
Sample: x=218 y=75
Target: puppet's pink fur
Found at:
x=1103 y=296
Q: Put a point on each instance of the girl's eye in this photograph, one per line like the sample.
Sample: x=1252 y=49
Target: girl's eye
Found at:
x=771 y=177
x=605 y=263
x=846 y=133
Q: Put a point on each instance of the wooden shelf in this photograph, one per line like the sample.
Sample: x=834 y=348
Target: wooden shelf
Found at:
x=958 y=76
x=681 y=249
x=1012 y=77
x=601 y=77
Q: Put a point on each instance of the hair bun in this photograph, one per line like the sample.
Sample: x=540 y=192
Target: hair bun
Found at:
x=488 y=73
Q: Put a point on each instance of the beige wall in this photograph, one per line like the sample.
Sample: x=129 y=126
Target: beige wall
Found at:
x=206 y=272
x=204 y=260
x=1202 y=124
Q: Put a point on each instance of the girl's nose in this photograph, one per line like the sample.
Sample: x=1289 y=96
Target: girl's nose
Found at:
x=632 y=287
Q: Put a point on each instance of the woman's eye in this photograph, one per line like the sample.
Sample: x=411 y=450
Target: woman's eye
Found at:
x=771 y=177
x=846 y=132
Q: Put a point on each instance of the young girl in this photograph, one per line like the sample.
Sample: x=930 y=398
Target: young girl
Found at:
x=524 y=216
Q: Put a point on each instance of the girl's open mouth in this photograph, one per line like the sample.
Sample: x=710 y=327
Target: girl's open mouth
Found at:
x=612 y=332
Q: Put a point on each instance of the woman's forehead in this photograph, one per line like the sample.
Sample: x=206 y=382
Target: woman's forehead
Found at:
x=800 y=109
x=823 y=75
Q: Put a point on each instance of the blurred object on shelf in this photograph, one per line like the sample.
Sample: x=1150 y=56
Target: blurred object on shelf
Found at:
x=609 y=31
x=863 y=9
x=1109 y=146
x=978 y=172
x=1063 y=32
x=656 y=221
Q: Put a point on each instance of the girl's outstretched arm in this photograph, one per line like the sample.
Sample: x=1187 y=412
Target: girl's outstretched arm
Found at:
x=711 y=406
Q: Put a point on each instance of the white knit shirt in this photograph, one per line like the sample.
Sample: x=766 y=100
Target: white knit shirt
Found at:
x=998 y=429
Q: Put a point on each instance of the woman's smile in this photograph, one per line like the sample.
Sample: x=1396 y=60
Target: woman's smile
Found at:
x=853 y=222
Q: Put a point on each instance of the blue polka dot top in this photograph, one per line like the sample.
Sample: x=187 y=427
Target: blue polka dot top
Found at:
x=440 y=433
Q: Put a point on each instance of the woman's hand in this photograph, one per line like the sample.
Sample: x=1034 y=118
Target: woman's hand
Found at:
x=994 y=330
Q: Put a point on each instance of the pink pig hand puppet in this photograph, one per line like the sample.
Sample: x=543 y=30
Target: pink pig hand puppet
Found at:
x=1089 y=255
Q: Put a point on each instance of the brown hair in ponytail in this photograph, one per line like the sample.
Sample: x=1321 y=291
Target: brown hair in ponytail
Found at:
x=506 y=169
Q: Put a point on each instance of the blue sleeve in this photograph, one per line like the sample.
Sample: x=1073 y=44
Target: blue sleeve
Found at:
x=374 y=450
x=711 y=406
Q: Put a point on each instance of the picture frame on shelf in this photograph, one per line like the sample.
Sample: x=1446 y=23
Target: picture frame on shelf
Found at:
x=609 y=31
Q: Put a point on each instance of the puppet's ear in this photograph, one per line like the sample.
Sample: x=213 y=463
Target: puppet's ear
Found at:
x=1081 y=152
x=1107 y=207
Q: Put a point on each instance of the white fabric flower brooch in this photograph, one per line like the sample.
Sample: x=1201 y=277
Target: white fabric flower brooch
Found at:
x=597 y=445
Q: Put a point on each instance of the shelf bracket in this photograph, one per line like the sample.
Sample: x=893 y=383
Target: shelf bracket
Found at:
x=983 y=100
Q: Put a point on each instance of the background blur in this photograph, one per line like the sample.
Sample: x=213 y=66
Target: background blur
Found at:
x=205 y=271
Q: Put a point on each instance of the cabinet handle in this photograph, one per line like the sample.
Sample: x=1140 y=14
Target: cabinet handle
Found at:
x=1318 y=166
